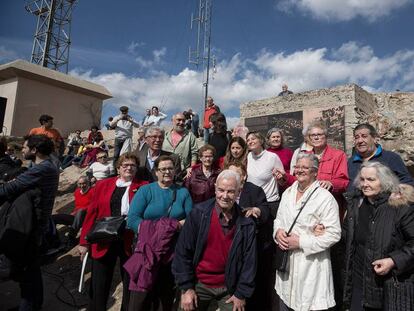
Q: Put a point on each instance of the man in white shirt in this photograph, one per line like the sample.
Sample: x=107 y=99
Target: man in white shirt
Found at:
x=101 y=169
x=123 y=125
x=156 y=117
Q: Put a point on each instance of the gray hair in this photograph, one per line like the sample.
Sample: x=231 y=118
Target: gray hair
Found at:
x=389 y=182
x=150 y=130
x=84 y=178
x=317 y=124
x=227 y=174
x=275 y=130
x=314 y=160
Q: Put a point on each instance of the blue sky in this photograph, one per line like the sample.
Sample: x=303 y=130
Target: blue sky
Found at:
x=139 y=49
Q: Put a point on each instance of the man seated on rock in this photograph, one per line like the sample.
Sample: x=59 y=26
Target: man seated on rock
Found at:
x=154 y=138
x=7 y=165
x=215 y=257
x=74 y=142
x=367 y=149
x=83 y=196
x=100 y=169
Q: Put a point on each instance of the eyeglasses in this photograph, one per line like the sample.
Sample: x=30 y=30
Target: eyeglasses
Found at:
x=102 y=157
x=302 y=168
x=166 y=169
x=154 y=137
x=313 y=136
x=128 y=165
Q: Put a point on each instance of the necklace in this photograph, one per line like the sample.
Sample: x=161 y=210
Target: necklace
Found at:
x=302 y=190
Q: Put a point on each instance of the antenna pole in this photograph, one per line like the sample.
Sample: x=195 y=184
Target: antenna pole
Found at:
x=203 y=57
x=52 y=36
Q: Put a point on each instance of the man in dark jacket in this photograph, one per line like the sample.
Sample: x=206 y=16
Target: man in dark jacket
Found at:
x=154 y=138
x=215 y=257
x=366 y=149
x=45 y=176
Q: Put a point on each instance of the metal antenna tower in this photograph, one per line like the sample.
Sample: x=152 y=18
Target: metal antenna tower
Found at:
x=52 y=37
x=202 y=53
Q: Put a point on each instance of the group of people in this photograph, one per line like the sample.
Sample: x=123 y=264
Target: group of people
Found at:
x=207 y=227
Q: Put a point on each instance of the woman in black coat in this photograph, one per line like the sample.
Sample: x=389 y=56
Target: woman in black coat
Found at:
x=379 y=237
x=252 y=201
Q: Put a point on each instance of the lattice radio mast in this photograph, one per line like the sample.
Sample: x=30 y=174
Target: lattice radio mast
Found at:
x=52 y=37
x=202 y=53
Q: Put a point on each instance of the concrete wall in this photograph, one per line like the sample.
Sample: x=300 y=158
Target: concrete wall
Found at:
x=392 y=114
x=355 y=100
x=8 y=89
x=71 y=110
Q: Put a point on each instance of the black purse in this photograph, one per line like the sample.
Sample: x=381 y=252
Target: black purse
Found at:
x=398 y=295
x=282 y=256
x=106 y=230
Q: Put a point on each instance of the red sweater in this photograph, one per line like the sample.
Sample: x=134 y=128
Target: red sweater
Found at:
x=285 y=155
x=82 y=201
x=210 y=270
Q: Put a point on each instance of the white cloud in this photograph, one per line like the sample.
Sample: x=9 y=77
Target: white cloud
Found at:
x=240 y=79
x=343 y=10
x=157 y=59
x=134 y=46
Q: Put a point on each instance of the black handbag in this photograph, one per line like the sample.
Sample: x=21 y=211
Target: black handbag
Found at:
x=398 y=295
x=282 y=256
x=106 y=230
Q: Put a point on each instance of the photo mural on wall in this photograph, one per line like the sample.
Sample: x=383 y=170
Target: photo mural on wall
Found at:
x=292 y=124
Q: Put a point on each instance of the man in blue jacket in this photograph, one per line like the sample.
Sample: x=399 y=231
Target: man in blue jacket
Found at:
x=43 y=175
x=215 y=257
x=367 y=149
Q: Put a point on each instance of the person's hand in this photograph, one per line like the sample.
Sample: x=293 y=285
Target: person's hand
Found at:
x=280 y=175
x=293 y=241
x=281 y=239
x=383 y=266
x=252 y=211
x=326 y=184
x=318 y=229
x=189 y=170
x=189 y=300
x=238 y=304
x=82 y=251
x=180 y=224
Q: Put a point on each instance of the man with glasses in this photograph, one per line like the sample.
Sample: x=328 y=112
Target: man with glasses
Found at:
x=152 y=150
x=182 y=143
x=101 y=169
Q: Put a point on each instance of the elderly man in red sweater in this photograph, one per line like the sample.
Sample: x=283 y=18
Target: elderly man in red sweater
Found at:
x=215 y=257
x=83 y=196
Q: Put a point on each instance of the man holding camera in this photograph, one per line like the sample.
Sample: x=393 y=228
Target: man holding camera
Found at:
x=123 y=125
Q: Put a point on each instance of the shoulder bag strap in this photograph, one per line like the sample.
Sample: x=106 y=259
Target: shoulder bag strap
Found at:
x=174 y=196
x=301 y=208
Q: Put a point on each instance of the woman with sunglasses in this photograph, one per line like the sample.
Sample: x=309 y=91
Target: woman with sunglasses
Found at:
x=112 y=197
x=160 y=199
x=100 y=169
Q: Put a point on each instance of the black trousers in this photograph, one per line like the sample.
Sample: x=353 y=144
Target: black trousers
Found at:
x=118 y=143
x=160 y=298
x=264 y=292
x=102 y=273
x=75 y=221
x=31 y=287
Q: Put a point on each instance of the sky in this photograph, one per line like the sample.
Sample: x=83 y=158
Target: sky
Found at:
x=138 y=49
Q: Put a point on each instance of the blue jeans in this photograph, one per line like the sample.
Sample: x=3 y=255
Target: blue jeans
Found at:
x=206 y=135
